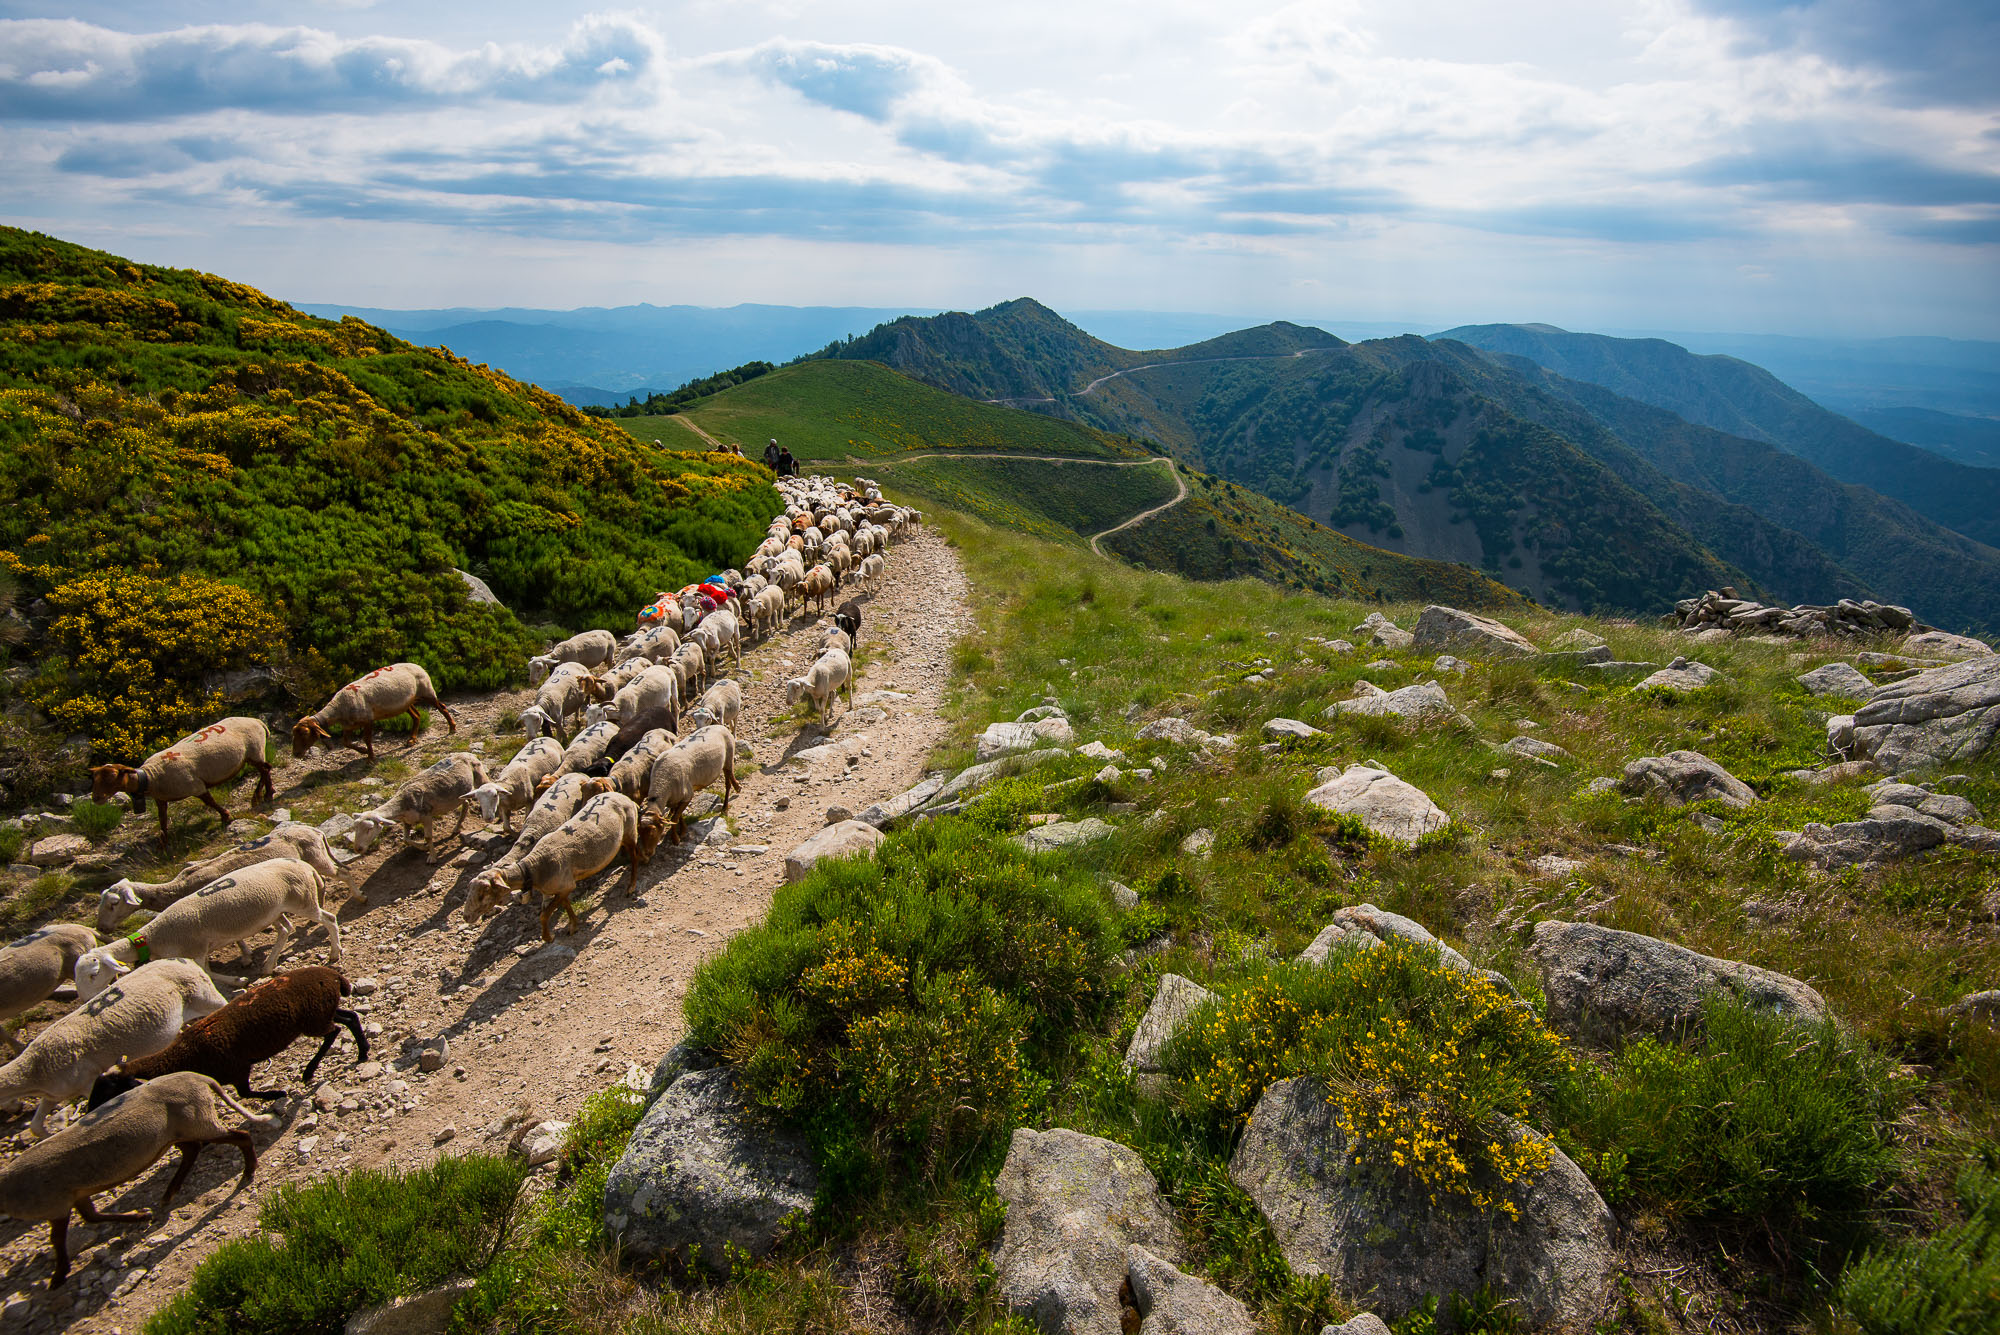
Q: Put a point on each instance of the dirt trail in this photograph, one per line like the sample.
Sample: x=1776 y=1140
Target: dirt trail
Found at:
x=530 y=1030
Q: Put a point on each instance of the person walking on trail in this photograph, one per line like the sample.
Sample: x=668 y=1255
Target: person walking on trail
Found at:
x=787 y=465
x=771 y=453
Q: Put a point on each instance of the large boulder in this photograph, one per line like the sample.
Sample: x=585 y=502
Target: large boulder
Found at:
x=1065 y=834
x=1024 y=734
x=892 y=809
x=1172 y=1303
x=1469 y=633
x=1943 y=644
x=1423 y=700
x=1837 y=679
x=705 y=1169
x=1174 y=1000
x=476 y=589
x=1680 y=777
x=1379 y=1233
x=1682 y=674
x=1367 y=927
x=1887 y=833
x=1579 y=638
x=1384 y=633
x=974 y=777
x=1400 y=812
x=1182 y=733
x=1603 y=983
x=1944 y=715
x=1076 y=1204
x=843 y=839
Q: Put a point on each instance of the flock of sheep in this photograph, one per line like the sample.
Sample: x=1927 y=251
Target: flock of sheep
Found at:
x=152 y=1039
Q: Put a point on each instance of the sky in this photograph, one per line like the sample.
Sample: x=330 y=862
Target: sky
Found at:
x=1830 y=167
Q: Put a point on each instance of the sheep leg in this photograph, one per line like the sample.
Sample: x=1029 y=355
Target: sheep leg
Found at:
x=632 y=877
x=263 y=783
x=163 y=825
x=353 y=1023
x=368 y=737
x=450 y=722
x=190 y=1151
x=38 y=1125
x=416 y=725
x=284 y=929
x=331 y=921
x=59 y=1244
x=208 y=800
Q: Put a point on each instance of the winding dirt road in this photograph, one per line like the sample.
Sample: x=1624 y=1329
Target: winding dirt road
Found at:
x=1143 y=515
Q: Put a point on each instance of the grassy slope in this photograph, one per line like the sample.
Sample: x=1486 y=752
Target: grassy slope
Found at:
x=833 y=410
x=158 y=421
x=1060 y=502
x=1888 y=948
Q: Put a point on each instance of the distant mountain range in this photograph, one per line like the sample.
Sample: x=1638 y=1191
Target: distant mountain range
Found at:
x=1593 y=496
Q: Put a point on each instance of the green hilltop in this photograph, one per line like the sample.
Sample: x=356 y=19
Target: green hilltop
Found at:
x=173 y=443
x=925 y=443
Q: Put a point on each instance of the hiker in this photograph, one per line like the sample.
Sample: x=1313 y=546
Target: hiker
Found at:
x=787 y=466
x=771 y=455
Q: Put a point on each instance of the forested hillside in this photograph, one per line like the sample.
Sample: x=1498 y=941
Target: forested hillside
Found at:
x=1744 y=400
x=196 y=479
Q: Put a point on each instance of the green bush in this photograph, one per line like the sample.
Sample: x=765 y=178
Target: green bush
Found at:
x=1763 y=1120
x=95 y=820
x=347 y=1243
x=12 y=840
x=1949 y=1281
x=1423 y=1058
x=910 y=1005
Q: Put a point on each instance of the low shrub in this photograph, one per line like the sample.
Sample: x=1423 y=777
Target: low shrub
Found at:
x=1949 y=1281
x=96 y=820
x=1423 y=1060
x=13 y=839
x=1762 y=1120
x=909 y=1006
x=348 y=1243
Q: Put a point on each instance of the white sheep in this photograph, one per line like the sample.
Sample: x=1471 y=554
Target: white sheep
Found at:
x=836 y=637
x=831 y=673
x=561 y=694
x=657 y=688
x=767 y=611
x=555 y=803
x=289 y=839
x=386 y=693
x=692 y=662
x=654 y=642
x=588 y=748
x=234 y=908
x=704 y=758
x=601 y=690
x=872 y=567
x=190 y=768
x=633 y=771
x=721 y=703
x=137 y=1016
x=115 y=1143
x=720 y=633
x=423 y=801
x=591 y=648
x=604 y=829
x=32 y=968
x=514 y=790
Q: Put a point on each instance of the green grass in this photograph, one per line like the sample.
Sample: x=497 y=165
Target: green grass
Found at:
x=347 y=1243
x=1949 y=1281
x=828 y=411
x=1059 y=502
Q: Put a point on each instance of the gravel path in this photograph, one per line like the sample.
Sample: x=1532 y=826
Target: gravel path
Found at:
x=530 y=1031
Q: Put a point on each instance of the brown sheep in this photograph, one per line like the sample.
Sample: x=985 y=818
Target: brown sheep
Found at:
x=189 y=768
x=385 y=693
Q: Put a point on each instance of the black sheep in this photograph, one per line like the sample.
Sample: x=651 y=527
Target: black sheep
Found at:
x=255 y=1027
x=848 y=617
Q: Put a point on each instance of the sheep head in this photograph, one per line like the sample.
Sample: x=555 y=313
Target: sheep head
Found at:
x=98 y=970
x=115 y=904
x=652 y=828
x=796 y=689
x=490 y=891
x=367 y=829
x=307 y=733
x=535 y=721
x=594 y=714
x=698 y=717
x=487 y=797
x=539 y=668
x=108 y=779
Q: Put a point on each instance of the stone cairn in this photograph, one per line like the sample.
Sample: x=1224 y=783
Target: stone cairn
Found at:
x=1726 y=611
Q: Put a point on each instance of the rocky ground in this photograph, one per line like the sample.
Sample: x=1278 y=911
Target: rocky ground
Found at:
x=480 y=1034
